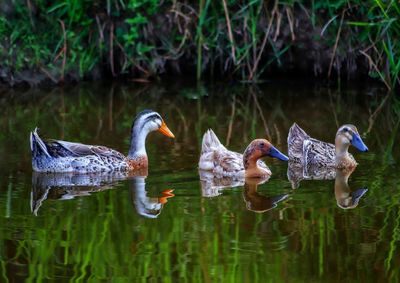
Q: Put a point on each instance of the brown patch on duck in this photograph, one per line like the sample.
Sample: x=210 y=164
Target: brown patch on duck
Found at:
x=249 y=157
x=141 y=172
x=138 y=163
x=345 y=162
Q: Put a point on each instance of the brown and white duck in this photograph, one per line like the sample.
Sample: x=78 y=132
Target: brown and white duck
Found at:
x=222 y=162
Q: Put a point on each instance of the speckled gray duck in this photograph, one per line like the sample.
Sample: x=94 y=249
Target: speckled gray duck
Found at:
x=306 y=150
x=63 y=156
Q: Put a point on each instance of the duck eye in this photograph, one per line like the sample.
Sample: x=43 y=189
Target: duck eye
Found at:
x=346 y=129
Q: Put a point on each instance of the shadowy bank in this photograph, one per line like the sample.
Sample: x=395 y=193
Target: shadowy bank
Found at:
x=62 y=41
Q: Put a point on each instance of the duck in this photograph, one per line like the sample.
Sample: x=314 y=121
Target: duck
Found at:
x=64 y=156
x=222 y=162
x=306 y=150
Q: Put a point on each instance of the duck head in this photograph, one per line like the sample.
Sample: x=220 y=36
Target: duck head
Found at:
x=346 y=135
x=255 y=150
x=145 y=122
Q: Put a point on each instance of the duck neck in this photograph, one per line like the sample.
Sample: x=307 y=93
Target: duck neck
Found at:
x=251 y=168
x=137 y=148
x=341 y=150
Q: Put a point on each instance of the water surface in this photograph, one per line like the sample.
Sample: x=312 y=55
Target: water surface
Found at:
x=112 y=228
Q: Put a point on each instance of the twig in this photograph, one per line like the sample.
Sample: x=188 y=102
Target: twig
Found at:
x=64 y=50
x=49 y=75
x=228 y=136
x=333 y=108
x=372 y=63
x=278 y=134
x=230 y=35
x=111 y=49
x=278 y=24
x=336 y=45
x=30 y=12
x=147 y=73
x=110 y=109
x=327 y=24
x=251 y=76
x=178 y=13
x=373 y=116
x=101 y=28
x=290 y=20
x=262 y=115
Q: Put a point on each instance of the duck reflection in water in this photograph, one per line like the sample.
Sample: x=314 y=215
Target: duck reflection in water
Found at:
x=256 y=202
x=212 y=186
x=65 y=186
x=149 y=207
x=345 y=197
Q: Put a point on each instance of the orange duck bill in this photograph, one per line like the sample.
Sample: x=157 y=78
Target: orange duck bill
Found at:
x=165 y=131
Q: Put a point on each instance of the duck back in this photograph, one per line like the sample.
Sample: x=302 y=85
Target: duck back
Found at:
x=296 y=138
x=306 y=150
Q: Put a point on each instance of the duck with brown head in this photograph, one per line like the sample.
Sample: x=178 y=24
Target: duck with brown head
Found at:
x=257 y=149
x=221 y=162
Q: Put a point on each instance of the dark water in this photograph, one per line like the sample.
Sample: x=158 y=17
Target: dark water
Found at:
x=104 y=229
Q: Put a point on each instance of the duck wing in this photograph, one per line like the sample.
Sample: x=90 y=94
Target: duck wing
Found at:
x=306 y=150
x=58 y=148
x=228 y=163
x=319 y=153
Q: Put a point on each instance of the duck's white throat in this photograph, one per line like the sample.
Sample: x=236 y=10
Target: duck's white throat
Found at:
x=138 y=142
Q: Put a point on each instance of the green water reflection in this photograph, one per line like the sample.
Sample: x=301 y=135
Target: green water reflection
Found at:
x=128 y=229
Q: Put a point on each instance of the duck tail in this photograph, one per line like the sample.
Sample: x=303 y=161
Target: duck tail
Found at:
x=210 y=142
x=38 y=147
x=295 y=141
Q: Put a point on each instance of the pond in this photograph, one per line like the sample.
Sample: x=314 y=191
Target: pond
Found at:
x=171 y=227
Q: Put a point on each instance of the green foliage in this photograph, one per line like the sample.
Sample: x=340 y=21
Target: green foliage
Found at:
x=244 y=39
x=381 y=28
